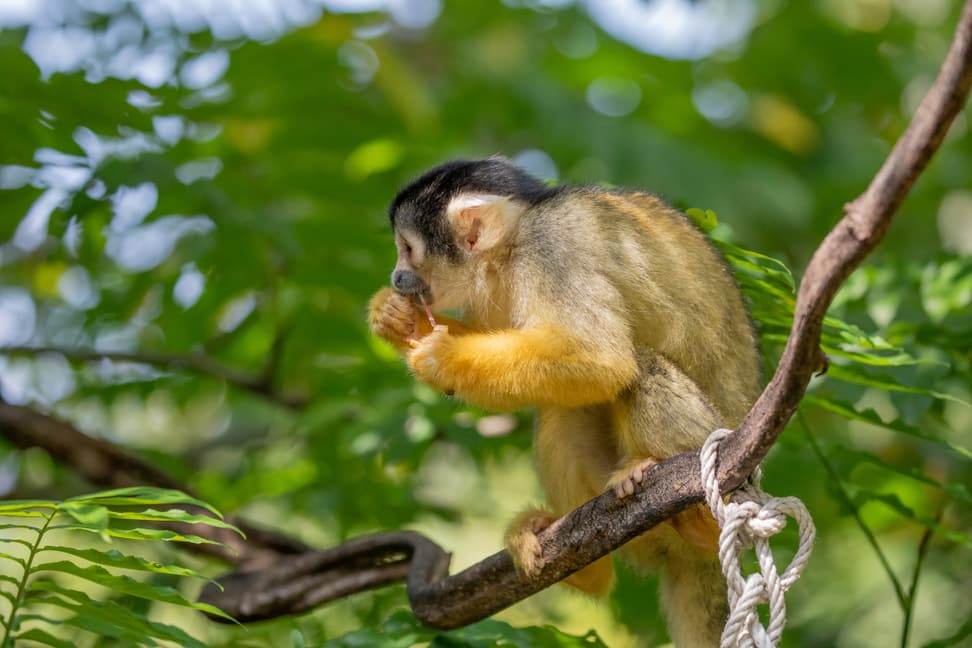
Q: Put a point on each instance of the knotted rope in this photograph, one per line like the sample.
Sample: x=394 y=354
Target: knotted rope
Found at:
x=749 y=519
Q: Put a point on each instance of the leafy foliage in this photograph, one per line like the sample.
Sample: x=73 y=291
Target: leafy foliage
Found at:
x=46 y=595
x=187 y=248
x=401 y=630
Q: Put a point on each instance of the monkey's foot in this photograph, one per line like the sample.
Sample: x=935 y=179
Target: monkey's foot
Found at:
x=627 y=479
x=522 y=541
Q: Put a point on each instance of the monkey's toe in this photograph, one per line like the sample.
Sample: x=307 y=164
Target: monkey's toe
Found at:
x=625 y=481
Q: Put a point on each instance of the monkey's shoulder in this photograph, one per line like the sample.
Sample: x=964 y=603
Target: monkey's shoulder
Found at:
x=598 y=214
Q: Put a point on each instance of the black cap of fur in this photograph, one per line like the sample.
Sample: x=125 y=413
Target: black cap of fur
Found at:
x=421 y=205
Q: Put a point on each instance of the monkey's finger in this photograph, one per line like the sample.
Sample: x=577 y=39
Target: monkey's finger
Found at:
x=412 y=342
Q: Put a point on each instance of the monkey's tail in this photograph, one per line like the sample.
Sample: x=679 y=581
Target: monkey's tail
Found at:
x=693 y=592
x=693 y=589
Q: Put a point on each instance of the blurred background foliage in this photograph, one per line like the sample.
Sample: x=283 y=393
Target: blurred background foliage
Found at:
x=207 y=181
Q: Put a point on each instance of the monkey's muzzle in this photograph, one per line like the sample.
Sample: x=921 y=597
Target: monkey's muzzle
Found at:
x=410 y=284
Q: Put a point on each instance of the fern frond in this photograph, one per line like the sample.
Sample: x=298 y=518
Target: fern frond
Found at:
x=33 y=601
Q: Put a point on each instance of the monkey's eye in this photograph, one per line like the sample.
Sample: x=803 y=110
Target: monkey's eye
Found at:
x=408 y=249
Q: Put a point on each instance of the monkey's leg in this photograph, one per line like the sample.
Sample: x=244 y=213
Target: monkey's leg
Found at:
x=575 y=454
x=662 y=414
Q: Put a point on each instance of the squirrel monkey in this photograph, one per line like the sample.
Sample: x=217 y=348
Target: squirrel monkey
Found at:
x=608 y=312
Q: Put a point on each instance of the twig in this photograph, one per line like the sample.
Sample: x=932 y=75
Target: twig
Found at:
x=845 y=497
x=313 y=578
x=909 y=609
x=260 y=385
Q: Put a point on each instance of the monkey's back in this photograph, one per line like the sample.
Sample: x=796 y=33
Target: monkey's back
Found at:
x=679 y=297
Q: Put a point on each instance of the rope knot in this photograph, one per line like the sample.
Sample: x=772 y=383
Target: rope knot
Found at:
x=749 y=519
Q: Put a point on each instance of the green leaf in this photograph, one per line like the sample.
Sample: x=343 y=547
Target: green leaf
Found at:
x=9 y=596
x=953 y=640
x=20 y=561
x=127 y=585
x=26 y=527
x=24 y=514
x=114 y=558
x=704 y=220
x=401 y=630
x=111 y=613
x=373 y=157
x=164 y=535
x=847 y=411
x=173 y=515
x=757 y=262
x=876 y=359
x=143 y=496
x=862 y=496
x=954 y=490
x=90 y=515
x=19 y=541
x=10 y=507
x=847 y=375
x=43 y=637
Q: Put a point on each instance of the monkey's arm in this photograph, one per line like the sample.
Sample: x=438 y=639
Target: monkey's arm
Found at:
x=516 y=368
x=395 y=318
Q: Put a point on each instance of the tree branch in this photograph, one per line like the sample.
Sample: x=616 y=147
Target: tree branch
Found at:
x=261 y=385
x=109 y=466
x=316 y=577
x=866 y=220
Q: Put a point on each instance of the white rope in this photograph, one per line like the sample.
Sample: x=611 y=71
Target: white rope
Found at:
x=747 y=520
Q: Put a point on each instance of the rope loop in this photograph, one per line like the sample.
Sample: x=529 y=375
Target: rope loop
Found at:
x=749 y=519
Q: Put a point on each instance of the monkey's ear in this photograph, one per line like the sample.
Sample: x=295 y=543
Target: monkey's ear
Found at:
x=480 y=221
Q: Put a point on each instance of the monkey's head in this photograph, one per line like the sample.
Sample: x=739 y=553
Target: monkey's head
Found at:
x=453 y=218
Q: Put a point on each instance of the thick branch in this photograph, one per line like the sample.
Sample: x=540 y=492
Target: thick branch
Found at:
x=261 y=385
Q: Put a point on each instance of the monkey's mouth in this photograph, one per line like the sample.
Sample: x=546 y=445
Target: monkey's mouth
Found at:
x=423 y=294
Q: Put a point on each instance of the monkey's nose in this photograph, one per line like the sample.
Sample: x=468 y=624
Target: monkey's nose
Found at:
x=408 y=283
x=400 y=280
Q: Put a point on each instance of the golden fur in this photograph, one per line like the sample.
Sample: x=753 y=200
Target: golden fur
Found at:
x=614 y=317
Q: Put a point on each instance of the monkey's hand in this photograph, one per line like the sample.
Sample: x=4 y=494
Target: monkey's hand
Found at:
x=394 y=317
x=524 y=547
x=522 y=541
x=431 y=359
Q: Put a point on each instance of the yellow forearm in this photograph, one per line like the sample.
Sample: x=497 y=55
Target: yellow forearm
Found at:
x=512 y=369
